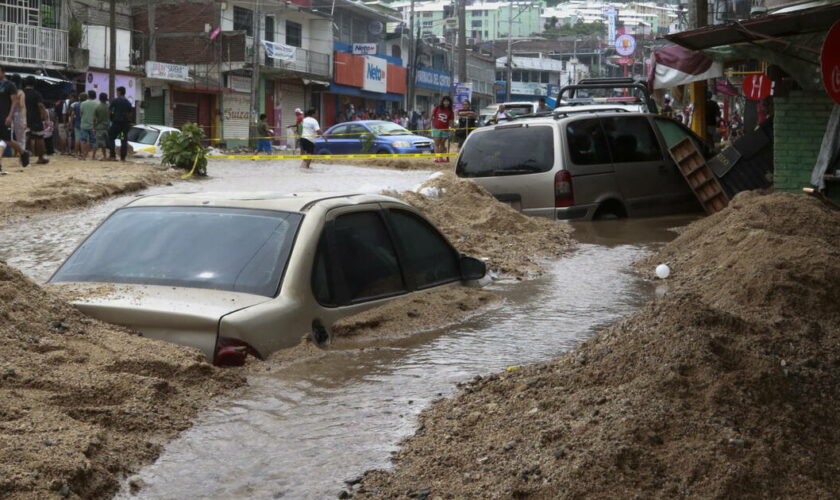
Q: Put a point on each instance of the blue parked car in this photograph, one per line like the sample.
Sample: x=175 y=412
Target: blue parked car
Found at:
x=388 y=138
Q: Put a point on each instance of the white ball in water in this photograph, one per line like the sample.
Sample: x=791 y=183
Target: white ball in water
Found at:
x=663 y=271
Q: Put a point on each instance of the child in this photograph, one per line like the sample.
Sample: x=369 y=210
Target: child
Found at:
x=263 y=134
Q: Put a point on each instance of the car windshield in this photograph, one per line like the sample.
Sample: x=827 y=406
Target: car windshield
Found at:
x=519 y=109
x=613 y=95
x=489 y=153
x=387 y=128
x=142 y=135
x=238 y=250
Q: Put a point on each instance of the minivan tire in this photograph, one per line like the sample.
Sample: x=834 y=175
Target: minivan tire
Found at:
x=610 y=210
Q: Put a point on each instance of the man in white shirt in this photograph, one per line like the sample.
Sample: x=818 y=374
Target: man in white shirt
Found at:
x=310 y=131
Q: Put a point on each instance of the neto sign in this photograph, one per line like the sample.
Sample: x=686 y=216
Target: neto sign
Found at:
x=376 y=74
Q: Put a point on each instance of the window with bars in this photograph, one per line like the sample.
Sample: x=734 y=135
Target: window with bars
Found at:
x=294 y=34
x=243 y=20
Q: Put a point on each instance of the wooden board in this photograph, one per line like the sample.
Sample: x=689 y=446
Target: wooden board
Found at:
x=699 y=176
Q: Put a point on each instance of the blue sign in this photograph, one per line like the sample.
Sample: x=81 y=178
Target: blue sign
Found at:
x=433 y=79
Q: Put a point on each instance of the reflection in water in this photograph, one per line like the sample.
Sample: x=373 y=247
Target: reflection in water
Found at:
x=298 y=432
x=630 y=231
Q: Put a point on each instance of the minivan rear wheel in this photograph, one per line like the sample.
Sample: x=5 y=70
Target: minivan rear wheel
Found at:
x=610 y=210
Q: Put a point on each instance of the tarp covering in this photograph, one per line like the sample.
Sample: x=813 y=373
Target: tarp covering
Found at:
x=830 y=151
x=675 y=65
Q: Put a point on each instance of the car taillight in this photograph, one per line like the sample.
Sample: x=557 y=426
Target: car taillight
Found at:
x=232 y=352
x=563 y=194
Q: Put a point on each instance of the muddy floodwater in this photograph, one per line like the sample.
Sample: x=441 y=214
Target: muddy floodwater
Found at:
x=300 y=431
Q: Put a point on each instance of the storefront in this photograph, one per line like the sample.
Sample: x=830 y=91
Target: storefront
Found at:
x=153 y=107
x=431 y=86
x=196 y=104
x=366 y=85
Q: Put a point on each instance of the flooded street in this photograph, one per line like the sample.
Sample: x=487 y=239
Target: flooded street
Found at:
x=299 y=431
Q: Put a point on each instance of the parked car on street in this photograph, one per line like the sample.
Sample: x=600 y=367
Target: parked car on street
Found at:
x=582 y=165
x=235 y=274
x=603 y=94
x=145 y=140
x=513 y=108
x=372 y=137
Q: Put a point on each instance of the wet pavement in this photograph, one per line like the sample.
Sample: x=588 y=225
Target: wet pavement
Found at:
x=299 y=431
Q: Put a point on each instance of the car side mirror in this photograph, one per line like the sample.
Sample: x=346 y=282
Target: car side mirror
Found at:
x=472 y=268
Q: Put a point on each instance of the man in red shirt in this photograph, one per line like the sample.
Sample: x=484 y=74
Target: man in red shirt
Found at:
x=442 y=117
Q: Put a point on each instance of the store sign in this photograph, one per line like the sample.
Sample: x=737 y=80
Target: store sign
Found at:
x=364 y=49
x=625 y=45
x=239 y=83
x=165 y=71
x=280 y=51
x=376 y=74
x=830 y=63
x=98 y=82
x=758 y=87
x=463 y=93
x=611 y=14
x=529 y=88
x=433 y=79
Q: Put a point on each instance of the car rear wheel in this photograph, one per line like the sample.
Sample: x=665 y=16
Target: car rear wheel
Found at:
x=610 y=210
x=383 y=152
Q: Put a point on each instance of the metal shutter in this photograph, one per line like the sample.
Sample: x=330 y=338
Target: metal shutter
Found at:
x=292 y=97
x=185 y=113
x=236 y=111
x=154 y=111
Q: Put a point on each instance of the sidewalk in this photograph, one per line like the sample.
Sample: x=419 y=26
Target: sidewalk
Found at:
x=68 y=183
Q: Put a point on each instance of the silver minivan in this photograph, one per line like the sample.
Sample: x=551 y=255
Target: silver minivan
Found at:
x=582 y=165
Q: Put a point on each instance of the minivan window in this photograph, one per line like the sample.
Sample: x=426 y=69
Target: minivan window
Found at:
x=232 y=249
x=507 y=151
x=366 y=257
x=429 y=259
x=631 y=139
x=587 y=142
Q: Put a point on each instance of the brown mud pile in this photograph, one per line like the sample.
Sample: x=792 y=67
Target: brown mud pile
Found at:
x=481 y=226
x=69 y=183
x=723 y=388
x=393 y=321
x=83 y=403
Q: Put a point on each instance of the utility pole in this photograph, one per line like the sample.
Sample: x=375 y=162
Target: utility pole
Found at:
x=411 y=58
x=112 y=49
x=509 y=59
x=255 y=73
x=462 y=40
x=151 y=15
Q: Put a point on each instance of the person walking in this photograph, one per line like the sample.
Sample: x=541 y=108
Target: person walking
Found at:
x=36 y=115
x=311 y=130
x=19 y=118
x=297 y=128
x=442 y=118
x=9 y=103
x=263 y=133
x=76 y=119
x=101 y=124
x=88 y=135
x=121 y=110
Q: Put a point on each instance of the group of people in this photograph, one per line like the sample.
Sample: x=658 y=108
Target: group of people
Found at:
x=29 y=124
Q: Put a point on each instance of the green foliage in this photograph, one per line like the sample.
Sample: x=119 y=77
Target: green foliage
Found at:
x=180 y=150
x=75 y=33
x=367 y=141
x=579 y=29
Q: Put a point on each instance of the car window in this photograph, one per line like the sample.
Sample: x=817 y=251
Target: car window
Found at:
x=338 y=132
x=507 y=151
x=232 y=249
x=366 y=257
x=587 y=142
x=142 y=135
x=631 y=139
x=387 y=128
x=672 y=132
x=429 y=259
x=355 y=131
x=321 y=287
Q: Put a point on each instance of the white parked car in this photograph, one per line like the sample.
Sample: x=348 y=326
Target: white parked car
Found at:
x=145 y=140
x=236 y=274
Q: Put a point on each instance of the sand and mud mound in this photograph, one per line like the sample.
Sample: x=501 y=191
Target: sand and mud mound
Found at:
x=83 y=403
x=696 y=395
x=394 y=321
x=481 y=226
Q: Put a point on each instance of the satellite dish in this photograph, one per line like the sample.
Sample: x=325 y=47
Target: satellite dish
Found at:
x=375 y=27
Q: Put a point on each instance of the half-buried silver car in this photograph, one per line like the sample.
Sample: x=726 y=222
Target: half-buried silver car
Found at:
x=235 y=274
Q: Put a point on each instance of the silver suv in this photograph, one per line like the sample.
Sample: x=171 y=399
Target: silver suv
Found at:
x=582 y=165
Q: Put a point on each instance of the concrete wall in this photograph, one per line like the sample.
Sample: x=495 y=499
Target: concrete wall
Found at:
x=800 y=122
x=96 y=12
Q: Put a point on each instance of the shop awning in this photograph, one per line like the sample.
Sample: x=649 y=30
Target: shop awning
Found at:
x=763 y=28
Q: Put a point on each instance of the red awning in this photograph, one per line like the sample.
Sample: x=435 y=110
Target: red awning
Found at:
x=760 y=28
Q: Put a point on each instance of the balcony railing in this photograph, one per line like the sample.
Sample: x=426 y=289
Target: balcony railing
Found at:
x=306 y=61
x=23 y=44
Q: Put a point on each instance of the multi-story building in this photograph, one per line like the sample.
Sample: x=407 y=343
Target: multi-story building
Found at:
x=34 y=38
x=531 y=77
x=370 y=70
x=485 y=20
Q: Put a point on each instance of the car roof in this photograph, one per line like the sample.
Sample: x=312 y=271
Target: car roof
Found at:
x=160 y=128
x=562 y=117
x=264 y=200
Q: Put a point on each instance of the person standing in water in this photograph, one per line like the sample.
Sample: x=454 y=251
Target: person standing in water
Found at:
x=442 y=118
x=311 y=130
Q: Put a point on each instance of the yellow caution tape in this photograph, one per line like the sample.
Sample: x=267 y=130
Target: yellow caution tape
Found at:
x=331 y=157
x=189 y=174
